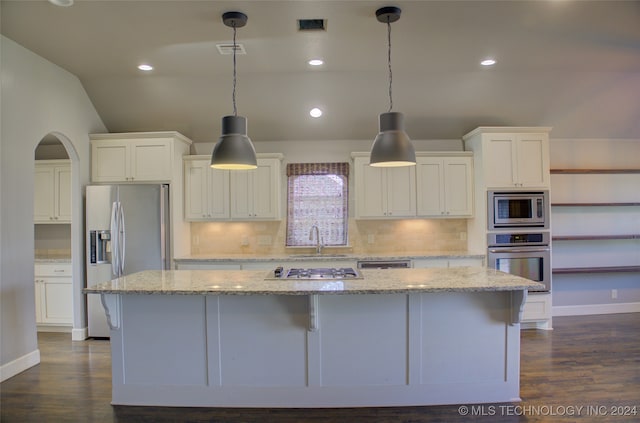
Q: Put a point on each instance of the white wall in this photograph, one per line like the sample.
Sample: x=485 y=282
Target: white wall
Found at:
x=38 y=98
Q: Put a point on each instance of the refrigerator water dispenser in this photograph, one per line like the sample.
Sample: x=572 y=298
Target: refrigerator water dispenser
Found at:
x=100 y=248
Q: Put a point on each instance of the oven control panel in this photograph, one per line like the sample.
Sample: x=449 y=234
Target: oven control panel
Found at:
x=497 y=239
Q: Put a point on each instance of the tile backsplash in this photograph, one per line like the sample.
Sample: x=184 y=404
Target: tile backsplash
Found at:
x=365 y=236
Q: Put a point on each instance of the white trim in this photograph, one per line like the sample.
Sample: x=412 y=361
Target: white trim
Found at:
x=53 y=328
x=79 y=334
x=542 y=325
x=582 y=310
x=18 y=365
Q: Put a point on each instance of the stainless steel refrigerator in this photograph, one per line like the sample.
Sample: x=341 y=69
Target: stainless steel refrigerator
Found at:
x=127 y=231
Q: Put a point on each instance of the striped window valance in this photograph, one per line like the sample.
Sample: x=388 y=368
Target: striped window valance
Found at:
x=295 y=169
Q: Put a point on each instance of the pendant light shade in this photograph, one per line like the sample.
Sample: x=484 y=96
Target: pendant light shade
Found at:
x=234 y=150
x=392 y=146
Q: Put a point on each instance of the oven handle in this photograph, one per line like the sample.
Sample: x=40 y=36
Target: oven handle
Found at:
x=519 y=250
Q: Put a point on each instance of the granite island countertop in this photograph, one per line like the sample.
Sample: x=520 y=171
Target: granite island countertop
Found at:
x=258 y=282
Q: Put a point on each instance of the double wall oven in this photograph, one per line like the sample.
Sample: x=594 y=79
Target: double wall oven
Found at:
x=518 y=239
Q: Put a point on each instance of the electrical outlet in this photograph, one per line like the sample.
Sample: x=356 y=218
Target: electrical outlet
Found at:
x=245 y=241
x=371 y=239
x=614 y=294
x=196 y=240
x=463 y=236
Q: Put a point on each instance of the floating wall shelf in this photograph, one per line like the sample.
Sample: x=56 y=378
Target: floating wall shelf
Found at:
x=606 y=269
x=593 y=237
x=628 y=236
x=593 y=204
x=594 y=171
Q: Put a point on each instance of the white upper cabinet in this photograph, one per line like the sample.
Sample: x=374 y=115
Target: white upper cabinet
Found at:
x=445 y=185
x=206 y=194
x=384 y=192
x=52 y=187
x=255 y=194
x=512 y=158
x=212 y=194
x=140 y=157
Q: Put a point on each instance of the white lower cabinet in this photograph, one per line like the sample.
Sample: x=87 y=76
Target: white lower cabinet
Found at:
x=207 y=266
x=466 y=262
x=537 y=311
x=54 y=294
x=424 y=263
x=262 y=265
x=428 y=263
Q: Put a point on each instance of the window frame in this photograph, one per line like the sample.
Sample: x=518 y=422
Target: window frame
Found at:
x=339 y=169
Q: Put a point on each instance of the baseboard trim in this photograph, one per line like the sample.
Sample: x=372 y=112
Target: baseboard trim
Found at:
x=587 y=309
x=19 y=365
x=79 y=334
x=54 y=328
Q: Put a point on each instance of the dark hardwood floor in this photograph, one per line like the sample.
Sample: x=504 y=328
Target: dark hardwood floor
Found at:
x=591 y=362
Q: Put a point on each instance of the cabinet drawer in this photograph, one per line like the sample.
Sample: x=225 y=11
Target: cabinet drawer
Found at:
x=53 y=269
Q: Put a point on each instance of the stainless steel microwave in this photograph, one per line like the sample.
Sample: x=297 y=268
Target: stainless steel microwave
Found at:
x=518 y=209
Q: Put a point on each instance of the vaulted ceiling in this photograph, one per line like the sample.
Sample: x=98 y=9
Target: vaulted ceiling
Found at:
x=573 y=65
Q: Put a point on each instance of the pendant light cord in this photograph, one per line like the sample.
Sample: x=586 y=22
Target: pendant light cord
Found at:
x=233 y=96
x=389 y=63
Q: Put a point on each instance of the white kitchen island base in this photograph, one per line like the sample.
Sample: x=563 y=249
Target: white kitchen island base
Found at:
x=382 y=349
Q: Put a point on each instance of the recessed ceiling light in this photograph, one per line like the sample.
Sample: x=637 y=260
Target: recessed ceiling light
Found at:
x=315 y=112
x=62 y=3
x=145 y=68
x=316 y=62
x=488 y=62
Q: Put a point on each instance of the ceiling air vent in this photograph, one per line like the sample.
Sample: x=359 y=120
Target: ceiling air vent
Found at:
x=228 y=48
x=311 y=25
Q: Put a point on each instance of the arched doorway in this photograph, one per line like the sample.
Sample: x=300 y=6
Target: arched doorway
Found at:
x=58 y=252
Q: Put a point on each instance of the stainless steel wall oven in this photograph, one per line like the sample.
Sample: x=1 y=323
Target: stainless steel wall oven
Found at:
x=525 y=254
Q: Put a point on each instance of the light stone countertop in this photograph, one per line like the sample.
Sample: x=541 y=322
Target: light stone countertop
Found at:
x=257 y=282
x=231 y=258
x=54 y=260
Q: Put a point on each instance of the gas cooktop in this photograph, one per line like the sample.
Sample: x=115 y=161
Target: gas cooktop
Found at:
x=317 y=273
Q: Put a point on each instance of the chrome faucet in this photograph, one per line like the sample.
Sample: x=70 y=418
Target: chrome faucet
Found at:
x=319 y=245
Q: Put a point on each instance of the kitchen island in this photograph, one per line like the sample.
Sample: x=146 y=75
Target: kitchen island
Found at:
x=217 y=338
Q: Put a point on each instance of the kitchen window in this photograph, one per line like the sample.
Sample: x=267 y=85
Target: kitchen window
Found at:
x=317 y=194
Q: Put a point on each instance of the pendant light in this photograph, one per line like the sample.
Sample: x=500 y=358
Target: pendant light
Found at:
x=392 y=146
x=234 y=150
